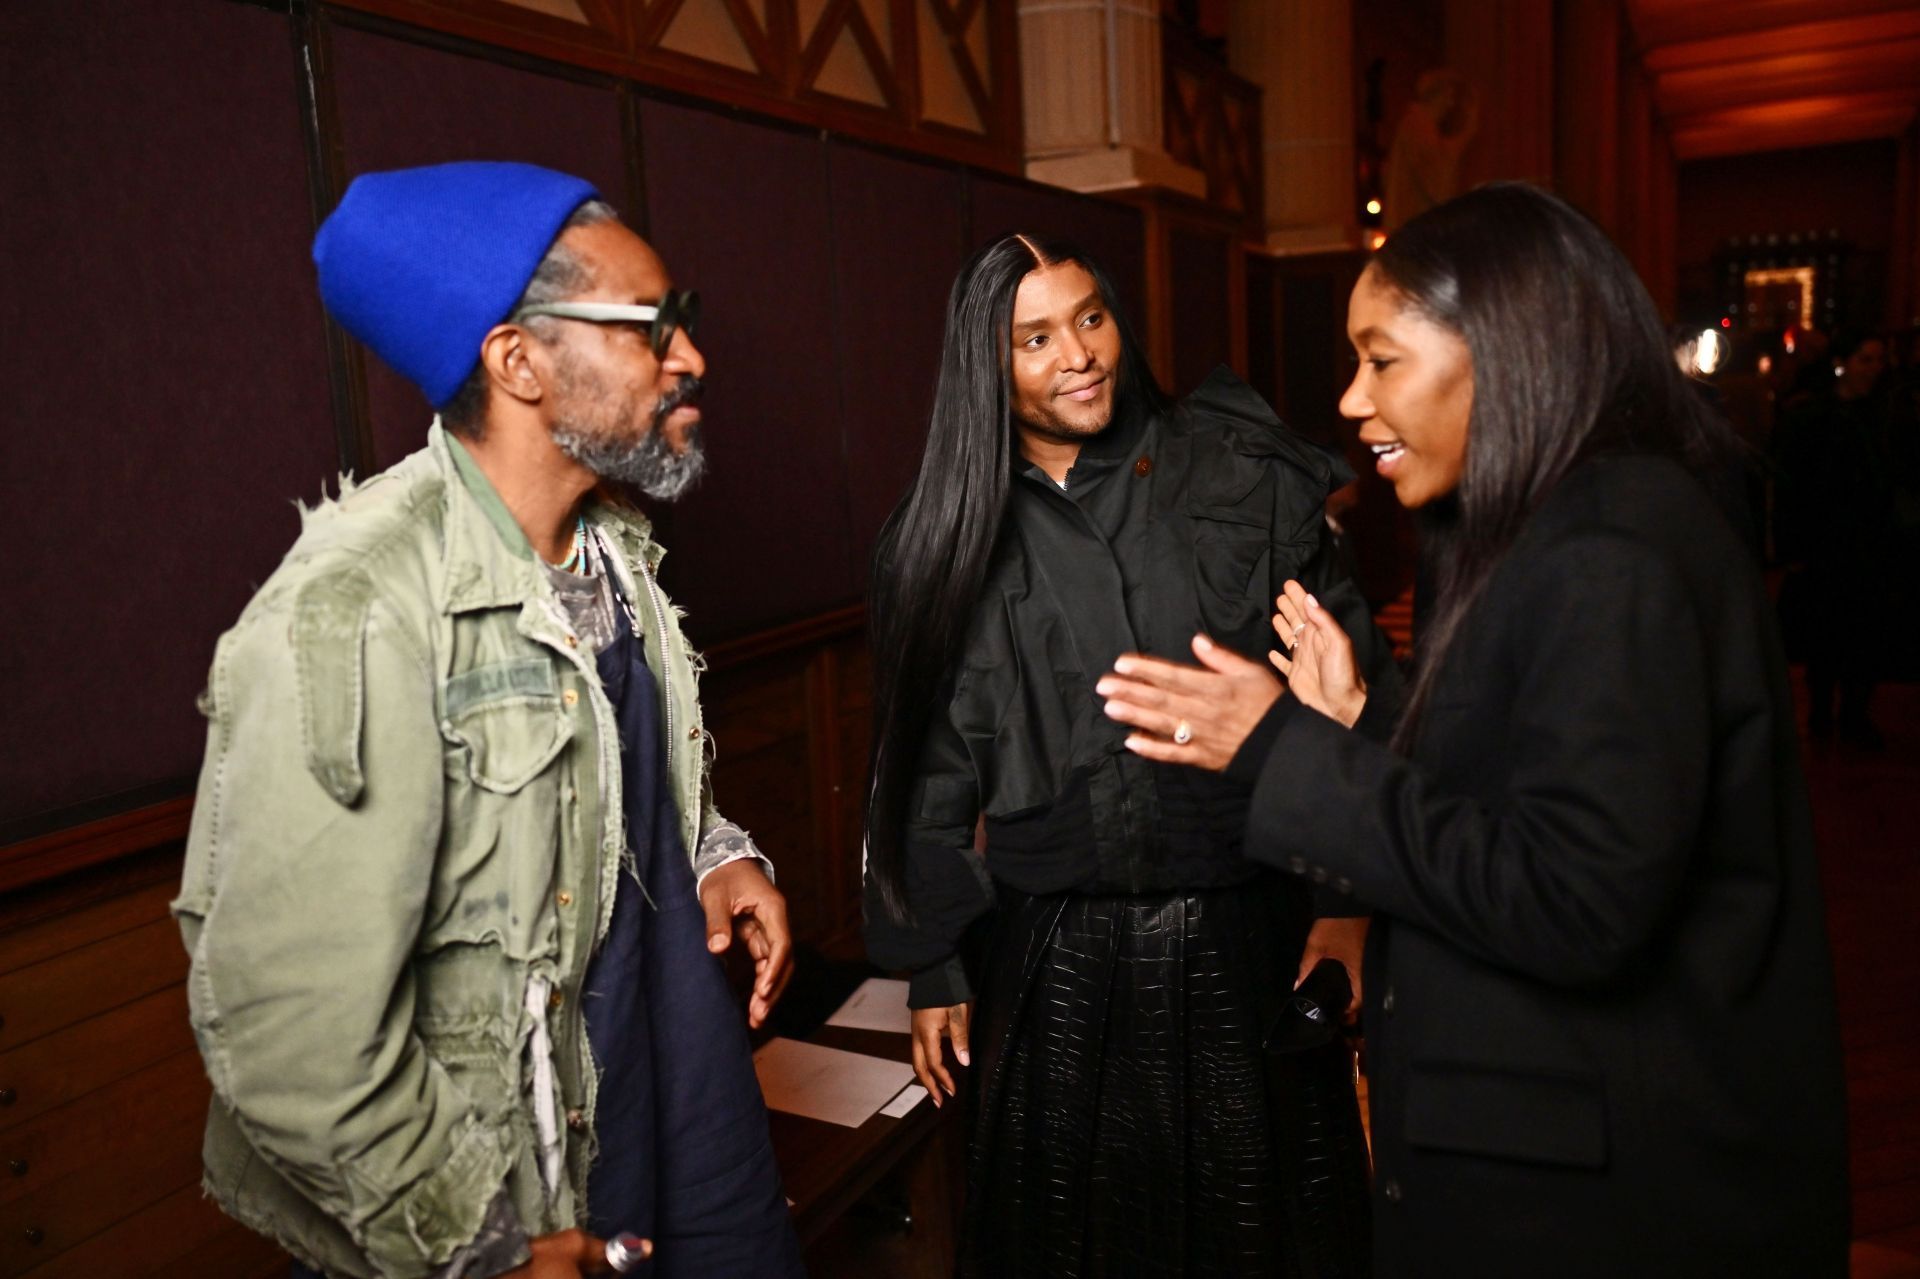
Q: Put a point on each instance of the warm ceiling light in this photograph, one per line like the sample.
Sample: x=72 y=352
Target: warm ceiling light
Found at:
x=1373 y=207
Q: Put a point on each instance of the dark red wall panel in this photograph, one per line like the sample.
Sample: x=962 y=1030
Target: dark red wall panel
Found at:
x=897 y=243
x=401 y=104
x=164 y=357
x=1202 y=339
x=739 y=211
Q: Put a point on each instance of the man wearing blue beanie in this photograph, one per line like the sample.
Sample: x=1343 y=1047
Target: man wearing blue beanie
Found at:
x=456 y=891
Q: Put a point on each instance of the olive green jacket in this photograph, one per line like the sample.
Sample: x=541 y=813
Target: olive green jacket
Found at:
x=403 y=853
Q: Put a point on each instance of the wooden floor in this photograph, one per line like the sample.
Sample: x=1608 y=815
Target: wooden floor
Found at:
x=1867 y=814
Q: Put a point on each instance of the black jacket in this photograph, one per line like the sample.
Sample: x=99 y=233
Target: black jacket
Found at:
x=1600 y=1015
x=1170 y=524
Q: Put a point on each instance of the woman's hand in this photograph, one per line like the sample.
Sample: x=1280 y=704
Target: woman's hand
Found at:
x=1320 y=672
x=1341 y=939
x=929 y=1062
x=1198 y=715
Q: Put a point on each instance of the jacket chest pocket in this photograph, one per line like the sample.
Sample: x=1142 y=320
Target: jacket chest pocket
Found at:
x=505 y=723
x=505 y=728
x=1231 y=560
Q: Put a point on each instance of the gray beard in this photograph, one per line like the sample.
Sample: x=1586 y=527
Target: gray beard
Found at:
x=598 y=433
x=648 y=464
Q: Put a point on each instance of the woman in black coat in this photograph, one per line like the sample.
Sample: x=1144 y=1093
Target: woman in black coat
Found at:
x=1599 y=1007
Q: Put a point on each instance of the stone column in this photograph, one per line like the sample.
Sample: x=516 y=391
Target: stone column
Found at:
x=1091 y=84
x=1300 y=53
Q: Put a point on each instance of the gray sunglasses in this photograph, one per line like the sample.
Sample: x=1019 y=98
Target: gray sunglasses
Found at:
x=677 y=310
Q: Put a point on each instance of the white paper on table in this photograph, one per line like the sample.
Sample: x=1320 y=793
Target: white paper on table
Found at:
x=902 y=1106
x=825 y=1083
x=879 y=1004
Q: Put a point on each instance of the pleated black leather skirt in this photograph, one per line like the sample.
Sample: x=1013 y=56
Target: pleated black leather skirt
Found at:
x=1125 y=1118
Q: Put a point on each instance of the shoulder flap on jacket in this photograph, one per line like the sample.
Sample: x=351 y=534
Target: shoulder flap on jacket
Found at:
x=329 y=654
x=1253 y=428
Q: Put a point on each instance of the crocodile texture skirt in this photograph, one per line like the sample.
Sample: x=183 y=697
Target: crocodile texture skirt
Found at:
x=1125 y=1118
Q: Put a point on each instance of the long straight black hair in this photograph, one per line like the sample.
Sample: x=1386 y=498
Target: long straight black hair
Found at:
x=1569 y=359
x=934 y=550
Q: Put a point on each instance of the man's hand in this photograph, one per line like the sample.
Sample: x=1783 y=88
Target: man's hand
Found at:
x=929 y=1062
x=739 y=898
x=566 y=1255
x=1341 y=939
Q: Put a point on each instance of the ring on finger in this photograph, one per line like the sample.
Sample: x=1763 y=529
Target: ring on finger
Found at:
x=1182 y=733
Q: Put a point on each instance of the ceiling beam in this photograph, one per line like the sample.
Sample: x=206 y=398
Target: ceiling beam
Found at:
x=1892 y=65
x=1805 y=37
x=1669 y=22
x=1699 y=142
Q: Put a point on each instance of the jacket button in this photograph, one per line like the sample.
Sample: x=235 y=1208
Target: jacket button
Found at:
x=1386 y=1001
x=1144 y=467
x=564 y=897
x=571 y=697
x=693 y=734
x=1343 y=885
x=556 y=1000
x=1298 y=865
x=1392 y=1191
x=573 y=641
x=1319 y=875
x=577 y=1120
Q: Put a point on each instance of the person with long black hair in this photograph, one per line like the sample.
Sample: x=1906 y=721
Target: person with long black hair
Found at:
x=1601 y=1036
x=1122 y=958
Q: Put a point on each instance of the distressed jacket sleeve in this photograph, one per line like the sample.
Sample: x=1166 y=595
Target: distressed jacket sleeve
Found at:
x=946 y=880
x=309 y=872
x=721 y=841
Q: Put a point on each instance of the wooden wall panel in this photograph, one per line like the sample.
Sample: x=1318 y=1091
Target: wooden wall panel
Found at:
x=938 y=77
x=739 y=211
x=459 y=108
x=790 y=733
x=898 y=239
x=106 y=1094
x=1201 y=273
x=165 y=354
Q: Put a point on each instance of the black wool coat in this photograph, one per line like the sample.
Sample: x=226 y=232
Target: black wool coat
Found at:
x=1599 y=1005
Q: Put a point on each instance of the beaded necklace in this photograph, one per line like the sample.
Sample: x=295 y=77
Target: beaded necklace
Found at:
x=577 y=562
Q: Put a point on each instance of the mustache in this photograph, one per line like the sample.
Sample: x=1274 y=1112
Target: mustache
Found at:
x=687 y=390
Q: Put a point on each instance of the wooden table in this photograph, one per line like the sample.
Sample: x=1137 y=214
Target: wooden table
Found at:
x=880 y=1199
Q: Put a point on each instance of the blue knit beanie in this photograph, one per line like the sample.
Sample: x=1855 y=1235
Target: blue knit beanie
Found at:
x=420 y=263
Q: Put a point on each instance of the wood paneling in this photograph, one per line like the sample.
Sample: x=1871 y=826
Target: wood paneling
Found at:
x=739 y=211
x=100 y=1139
x=790 y=732
x=1212 y=123
x=168 y=370
x=935 y=76
x=891 y=275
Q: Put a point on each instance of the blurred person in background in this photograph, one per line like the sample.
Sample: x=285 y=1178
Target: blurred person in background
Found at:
x=1833 y=529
